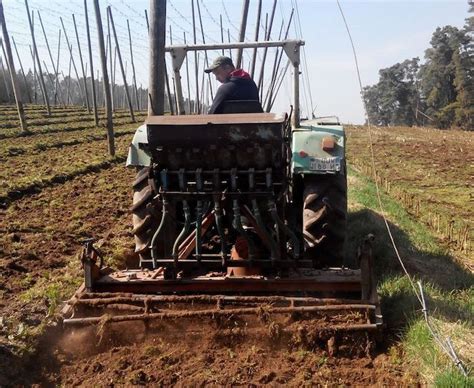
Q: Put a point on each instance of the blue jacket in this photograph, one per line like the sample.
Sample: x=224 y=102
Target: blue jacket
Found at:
x=238 y=87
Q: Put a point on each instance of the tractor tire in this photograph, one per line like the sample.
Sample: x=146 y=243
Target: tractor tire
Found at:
x=325 y=219
x=145 y=215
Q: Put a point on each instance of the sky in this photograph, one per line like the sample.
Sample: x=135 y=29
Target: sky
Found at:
x=384 y=33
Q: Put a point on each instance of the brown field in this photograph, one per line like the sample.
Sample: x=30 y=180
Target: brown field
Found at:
x=59 y=186
x=430 y=171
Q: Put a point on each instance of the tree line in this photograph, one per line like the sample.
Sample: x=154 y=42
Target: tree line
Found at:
x=439 y=92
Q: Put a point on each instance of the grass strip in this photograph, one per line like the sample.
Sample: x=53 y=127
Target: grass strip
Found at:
x=449 y=288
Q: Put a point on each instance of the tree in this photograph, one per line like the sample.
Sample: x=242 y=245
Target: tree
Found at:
x=464 y=77
x=394 y=100
x=439 y=72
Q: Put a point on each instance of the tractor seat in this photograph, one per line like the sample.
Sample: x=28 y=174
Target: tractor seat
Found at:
x=241 y=106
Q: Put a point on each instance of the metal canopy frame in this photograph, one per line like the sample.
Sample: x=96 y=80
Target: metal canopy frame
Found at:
x=291 y=48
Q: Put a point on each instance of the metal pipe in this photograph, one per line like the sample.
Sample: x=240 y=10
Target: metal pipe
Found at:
x=187 y=78
x=237 y=222
x=164 y=214
x=218 y=215
x=296 y=93
x=274 y=252
x=187 y=219
x=278 y=221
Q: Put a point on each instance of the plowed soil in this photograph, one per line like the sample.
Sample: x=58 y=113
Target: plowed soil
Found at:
x=40 y=241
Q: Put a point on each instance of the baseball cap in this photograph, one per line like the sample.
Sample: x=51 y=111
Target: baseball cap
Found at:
x=219 y=61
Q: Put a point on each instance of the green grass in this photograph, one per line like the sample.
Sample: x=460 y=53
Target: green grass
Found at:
x=448 y=288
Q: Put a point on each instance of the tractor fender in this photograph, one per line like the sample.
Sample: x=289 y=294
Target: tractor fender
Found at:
x=308 y=154
x=137 y=156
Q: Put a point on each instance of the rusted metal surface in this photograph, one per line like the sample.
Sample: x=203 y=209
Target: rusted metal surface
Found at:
x=328 y=281
x=95 y=299
x=232 y=118
x=213 y=313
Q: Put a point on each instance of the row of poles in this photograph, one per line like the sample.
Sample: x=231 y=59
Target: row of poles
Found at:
x=105 y=79
x=82 y=87
x=158 y=67
x=277 y=74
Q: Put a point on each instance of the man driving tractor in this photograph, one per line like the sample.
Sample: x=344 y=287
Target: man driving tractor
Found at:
x=236 y=85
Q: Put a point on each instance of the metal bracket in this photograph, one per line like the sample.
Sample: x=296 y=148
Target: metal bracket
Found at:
x=178 y=54
x=292 y=50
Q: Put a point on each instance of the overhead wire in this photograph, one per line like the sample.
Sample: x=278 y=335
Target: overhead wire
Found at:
x=445 y=346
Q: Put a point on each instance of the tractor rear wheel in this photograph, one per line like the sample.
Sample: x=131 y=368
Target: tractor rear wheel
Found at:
x=325 y=218
x=144 y=214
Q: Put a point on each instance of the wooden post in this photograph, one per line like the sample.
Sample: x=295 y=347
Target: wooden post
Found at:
x=50 y=55
x=72 y=59
x=43 y=86
x=22 y=72
x=174 y=100
x=112 y=62
x=157 y=36
x=82 y=66
x=167 y=81
x=130 y=107
x=94 y=97
x=34 y=74
x=228 y=39
x=222 y=31
x=114 y=90
x=196 y=64
x=260 y=90
x=69 y=99
x=187 y=77
x=105 y=80
x=276 y=65
x=7 y=86
x=243 y=27
x=133 y=66
x=257 y=30
x=267 y=37
x=205 y=52
x=56 y=85
x=9 y=58
x=4 y=76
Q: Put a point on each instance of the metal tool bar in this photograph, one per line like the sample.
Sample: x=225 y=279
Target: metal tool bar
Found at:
x=236 y=45
x=92 y=299
x=236 y=263
x=225 y=313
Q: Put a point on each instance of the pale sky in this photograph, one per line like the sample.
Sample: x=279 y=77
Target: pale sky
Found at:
x=384 y=33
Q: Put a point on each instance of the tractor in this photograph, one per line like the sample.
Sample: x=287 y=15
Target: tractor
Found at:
x=234 y=215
